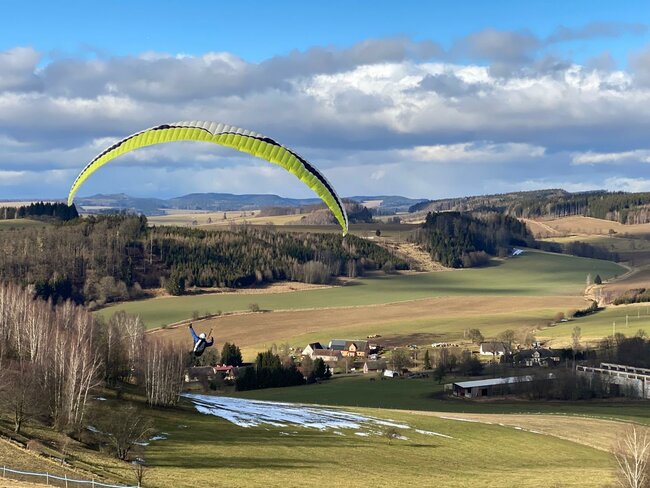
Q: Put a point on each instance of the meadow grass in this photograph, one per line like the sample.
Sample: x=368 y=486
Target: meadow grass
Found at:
x=426 y=394
x=206 y=451
x=604 y=323
x=532 y=274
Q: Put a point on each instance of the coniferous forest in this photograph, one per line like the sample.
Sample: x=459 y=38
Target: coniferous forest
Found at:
x=461 y=240
x=100 y=259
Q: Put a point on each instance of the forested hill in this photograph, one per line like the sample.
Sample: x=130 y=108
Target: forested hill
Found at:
x=101 y=259
x=464 y=240
x=461 y=240
x=627 y=208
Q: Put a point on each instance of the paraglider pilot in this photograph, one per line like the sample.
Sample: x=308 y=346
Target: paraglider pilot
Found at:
x=200 y=343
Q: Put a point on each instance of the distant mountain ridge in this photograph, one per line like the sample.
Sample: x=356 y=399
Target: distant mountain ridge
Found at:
x=217 y=202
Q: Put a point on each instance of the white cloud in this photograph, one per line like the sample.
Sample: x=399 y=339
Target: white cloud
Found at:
x=380 y=116
x=590 y=157
x=475 y=152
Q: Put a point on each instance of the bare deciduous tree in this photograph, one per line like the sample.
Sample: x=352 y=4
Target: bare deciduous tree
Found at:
x=20 y=393
x=632 y=454
x=123 y=429
x=163 y=369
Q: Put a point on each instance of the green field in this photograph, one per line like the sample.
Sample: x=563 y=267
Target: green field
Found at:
x=425 y=394
x=208 y=451
x=532 y=274
x=605 y=323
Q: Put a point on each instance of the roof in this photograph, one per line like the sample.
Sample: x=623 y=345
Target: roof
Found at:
x=543 y=352
x=493 y=347
x=223 y=368
x=314 y=345
x=494 y=381
x=325 y=352
x=375 y=364
x=341 y=344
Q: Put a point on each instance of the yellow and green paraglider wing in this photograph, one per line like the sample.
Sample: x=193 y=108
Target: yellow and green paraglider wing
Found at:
x=225 y=135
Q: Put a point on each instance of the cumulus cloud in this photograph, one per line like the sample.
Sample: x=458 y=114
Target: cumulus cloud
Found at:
x=384 y=115
x=595 y=30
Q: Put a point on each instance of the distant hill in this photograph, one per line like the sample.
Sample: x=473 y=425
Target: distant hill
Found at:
x=217 y=202
x=499 y=202
x=623 y=207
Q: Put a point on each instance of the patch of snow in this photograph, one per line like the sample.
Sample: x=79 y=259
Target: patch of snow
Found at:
x=101 y=399
x=93 y=429
x=362 y=434
x=254 y=413
x=159 y=437
x=427 y=432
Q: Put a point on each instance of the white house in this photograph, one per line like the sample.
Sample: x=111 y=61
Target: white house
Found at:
x=493 y=349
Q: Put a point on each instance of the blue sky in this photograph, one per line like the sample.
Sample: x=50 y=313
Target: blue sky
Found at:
x=259 y=30
x=425 y=99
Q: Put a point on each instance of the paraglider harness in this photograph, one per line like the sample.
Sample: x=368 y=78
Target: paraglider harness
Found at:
x=200 y=343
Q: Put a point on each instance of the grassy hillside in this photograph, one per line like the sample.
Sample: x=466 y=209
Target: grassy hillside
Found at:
x=425 y=394
x=414 y=322
x=533 y=274
x=211 y=451
x=601 y=324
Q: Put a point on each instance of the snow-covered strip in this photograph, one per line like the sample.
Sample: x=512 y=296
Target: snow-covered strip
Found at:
x=466 y=420
x=252 y=413
x=427 y=432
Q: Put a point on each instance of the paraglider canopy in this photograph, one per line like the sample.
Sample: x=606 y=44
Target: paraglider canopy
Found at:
x=225 y=135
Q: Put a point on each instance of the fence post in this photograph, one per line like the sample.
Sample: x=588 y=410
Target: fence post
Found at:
x=4 y=471
x=47 y=478
x=92 y=483
x=66 y=480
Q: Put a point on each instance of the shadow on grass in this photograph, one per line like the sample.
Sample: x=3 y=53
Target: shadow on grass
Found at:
x=230 y=462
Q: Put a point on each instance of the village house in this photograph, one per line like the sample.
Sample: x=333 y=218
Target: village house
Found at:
x=326 y=355
x=538 y=356
x=196 y=373
x=349 y=348
x=495 y=349
x=376 y=366
x=311 y=348
x=228 y=372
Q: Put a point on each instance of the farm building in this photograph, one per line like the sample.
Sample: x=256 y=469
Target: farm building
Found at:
x=489 y=387
x=494 y=349
x=374 y=366
x=538 y=356
x=622 y=380
x=311 y=348
x=326 y=355
x=196 y=373
x=350 y=348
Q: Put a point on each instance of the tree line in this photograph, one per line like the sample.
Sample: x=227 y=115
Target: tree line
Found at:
x=101 y=259
x=623 y=207
x=52 y=357
x=58 y=211
x=464 y=240
x=460 y=240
